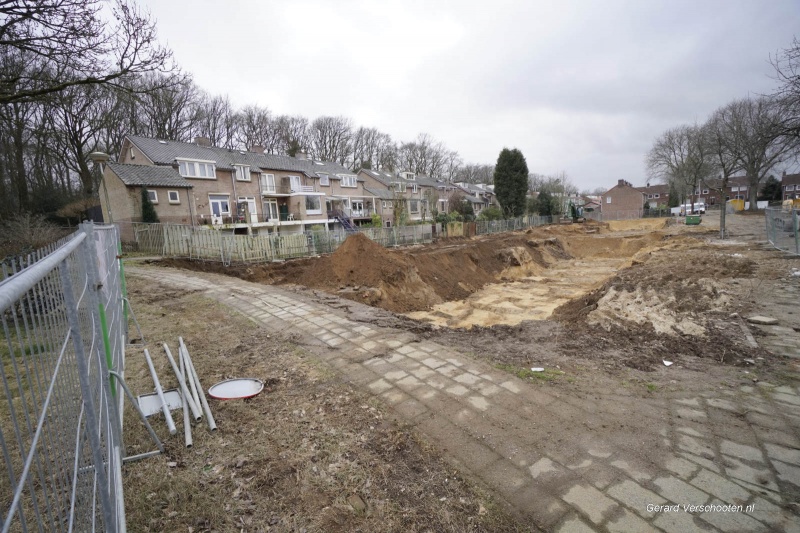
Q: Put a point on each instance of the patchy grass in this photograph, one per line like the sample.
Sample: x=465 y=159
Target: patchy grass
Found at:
x=651 y=387
x=309 y=453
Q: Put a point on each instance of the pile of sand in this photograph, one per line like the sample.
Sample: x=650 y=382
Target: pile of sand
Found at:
x=365 y=271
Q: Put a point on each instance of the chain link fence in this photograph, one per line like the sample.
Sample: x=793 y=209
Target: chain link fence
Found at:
x=782 y=228
x=63 y=329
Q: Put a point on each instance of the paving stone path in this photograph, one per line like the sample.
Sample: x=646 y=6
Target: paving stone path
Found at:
x=564 y=464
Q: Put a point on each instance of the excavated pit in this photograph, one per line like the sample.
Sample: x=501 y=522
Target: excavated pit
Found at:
x=486 y=281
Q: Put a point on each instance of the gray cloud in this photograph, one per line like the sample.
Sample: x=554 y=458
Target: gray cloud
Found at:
x=582 y=86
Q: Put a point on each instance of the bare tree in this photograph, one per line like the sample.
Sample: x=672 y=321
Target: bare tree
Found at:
x=453 y=163
x=294 y=133
x=475 y=173
x=81 y=114
x=169 y=107
x=216 y=120
x=787 y=72
x=257 y=127
x=759 y=139
x=424 y=155
x=682 y=157
x=331 y=139
x=50 y=45
x=720 y=136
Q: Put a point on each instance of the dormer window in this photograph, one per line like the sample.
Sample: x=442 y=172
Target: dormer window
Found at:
x=324 y=180
x=197 y=169
x=408 y=175
x=349 y=180
x=242 y=172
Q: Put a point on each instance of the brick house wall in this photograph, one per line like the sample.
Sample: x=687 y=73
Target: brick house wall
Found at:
x=622 y=200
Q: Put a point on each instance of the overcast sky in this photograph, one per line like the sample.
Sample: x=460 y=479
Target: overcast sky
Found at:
x=579 y=86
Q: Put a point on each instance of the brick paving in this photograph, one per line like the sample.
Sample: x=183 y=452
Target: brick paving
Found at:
x=537 y=450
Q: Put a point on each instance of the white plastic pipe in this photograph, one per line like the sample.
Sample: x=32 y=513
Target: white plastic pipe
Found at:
x=183 y=352
x=187 y=397
x=187 y=427
x=212 y=425
x=160 y=392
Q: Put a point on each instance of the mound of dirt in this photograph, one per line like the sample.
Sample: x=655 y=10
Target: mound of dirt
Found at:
x=672 y=290
x=365 y=271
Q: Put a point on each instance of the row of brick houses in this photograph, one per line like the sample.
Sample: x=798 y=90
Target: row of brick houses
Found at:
x=249 y=190
x=624 y=199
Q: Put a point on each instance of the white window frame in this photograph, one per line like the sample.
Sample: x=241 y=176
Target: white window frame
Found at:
x=656 y=196
x=349 y=181
x=267 y=207
x=705 y=191
x=608 y=199
x=242 y=172
x=295 y=183
x=268 y=184
x=324 y=180
x=195 y=168
x=400 y=187
x=359 y=203
x=153 y=195
x=413 y=187
x=649 y=196
x=218 y=198
x=177 y=199
x=314 y=211
x=790 y=187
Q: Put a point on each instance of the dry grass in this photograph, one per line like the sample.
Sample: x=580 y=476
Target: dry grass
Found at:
x=308 y=454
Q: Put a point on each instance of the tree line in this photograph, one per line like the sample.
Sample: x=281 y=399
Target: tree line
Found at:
x=750 y=136
x=76 y=76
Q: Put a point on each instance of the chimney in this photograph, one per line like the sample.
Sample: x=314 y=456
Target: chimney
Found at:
x=301 y=155
x=202 y=141
x=257 y=148
x=621 y=183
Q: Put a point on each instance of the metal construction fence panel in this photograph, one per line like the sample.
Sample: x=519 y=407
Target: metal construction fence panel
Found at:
x=782 y=228
x=63 y=328
x=486 y=227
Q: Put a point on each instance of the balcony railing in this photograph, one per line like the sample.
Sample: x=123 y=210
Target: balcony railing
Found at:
x=285 y=188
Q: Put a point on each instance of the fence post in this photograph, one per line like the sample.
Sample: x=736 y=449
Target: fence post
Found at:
x=796 y=235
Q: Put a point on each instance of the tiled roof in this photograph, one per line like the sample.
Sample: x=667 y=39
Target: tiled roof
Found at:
x=162 y=152
x=790 y=179
x=383 y=194
x=383 y=177
x=149 y=176
x=387 y=178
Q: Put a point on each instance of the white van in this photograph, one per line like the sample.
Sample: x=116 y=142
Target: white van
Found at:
x=699 y=209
